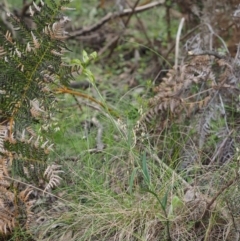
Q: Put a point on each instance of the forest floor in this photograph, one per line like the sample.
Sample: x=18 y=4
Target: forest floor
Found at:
x=121 y=182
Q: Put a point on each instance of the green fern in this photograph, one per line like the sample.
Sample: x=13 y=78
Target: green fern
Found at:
x=32 y=69
x=30 y=66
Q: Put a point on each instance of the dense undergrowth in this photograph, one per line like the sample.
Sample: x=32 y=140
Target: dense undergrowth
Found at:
x=151 y=152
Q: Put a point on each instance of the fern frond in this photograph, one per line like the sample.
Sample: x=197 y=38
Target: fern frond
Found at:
x=52 y=174
x=56 y=31
x=32 y=65
x=2 y=52
x=3 y=136
x=7 y=219
x=3 y=168
x=179 y=93
x=197 y=95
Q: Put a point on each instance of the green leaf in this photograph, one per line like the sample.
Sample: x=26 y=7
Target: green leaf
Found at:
x=76 y=61
x=89 y=75
x=164 y=200
x=85 y=57
x=132 y=179
x=93 y=55
x=176 y=203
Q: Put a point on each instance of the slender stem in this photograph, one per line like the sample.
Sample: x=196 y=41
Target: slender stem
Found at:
x=177 y=41
x=65 y=90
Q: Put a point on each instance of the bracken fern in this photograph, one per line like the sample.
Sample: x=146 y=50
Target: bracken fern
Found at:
x=31 y=69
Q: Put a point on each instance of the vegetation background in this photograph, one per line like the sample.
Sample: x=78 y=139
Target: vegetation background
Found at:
x=125 y=180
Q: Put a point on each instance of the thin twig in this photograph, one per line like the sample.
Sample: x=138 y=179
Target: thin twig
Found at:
x=220 y=192
x=114 y=43
x=144 y=31
x=168 y=20
x=212 y=32
x=220 y=147
x=78 y=104
x=184 y=37
x=108 y=45
x=226 y=186
x=207 y=52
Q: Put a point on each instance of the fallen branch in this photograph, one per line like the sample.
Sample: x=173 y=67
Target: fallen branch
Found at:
x=115 y=15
